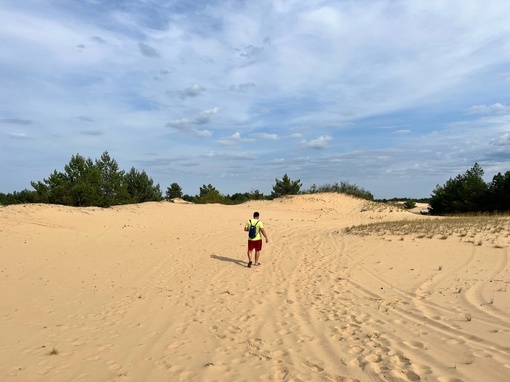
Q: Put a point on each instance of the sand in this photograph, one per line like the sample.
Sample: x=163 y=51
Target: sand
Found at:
x=161 y=292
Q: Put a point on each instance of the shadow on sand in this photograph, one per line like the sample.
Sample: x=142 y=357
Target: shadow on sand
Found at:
x=235 y=261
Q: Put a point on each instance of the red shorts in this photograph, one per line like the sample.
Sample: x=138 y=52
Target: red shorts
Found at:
x=255 y=245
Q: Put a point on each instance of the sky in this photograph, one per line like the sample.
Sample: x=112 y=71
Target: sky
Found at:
x=395 y=97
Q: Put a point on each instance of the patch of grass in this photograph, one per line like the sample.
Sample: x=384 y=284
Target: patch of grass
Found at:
x=473 y=227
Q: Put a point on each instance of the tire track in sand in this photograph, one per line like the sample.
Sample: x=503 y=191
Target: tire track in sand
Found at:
x=415 y=311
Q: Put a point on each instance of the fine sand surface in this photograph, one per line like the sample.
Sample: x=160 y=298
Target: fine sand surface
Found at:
x=161 y=292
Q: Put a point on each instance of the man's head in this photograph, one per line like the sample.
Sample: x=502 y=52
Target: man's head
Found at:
x=256 y=215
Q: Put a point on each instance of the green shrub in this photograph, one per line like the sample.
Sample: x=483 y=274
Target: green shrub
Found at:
x=409 y=204
x=342 y=188
x=285 y=186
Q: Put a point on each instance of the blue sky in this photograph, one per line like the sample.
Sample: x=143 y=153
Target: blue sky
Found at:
x=393 y=96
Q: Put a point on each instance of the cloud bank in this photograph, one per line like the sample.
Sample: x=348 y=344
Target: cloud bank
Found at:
x=393 y=96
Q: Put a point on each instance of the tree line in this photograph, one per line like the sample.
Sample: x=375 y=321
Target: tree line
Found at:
x=101 y=183
x=89 y=183
x=469 y=193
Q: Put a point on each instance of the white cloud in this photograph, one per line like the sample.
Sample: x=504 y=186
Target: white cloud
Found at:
x=233 y=139
x=266 y=136
x=206 y=116
x=185 y=125
x=496 y=108
x=193 y=91
x=318 y=143
x=242 y=88
x=18 y=136
x=335 y=70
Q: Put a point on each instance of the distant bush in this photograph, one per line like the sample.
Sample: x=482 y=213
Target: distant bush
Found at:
x=174 y=191
x=285 y=187
x=342 y=188
x=409 y=204
x=209 y=194
x=22 y=197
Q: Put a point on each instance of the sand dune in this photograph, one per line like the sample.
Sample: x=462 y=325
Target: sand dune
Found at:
x=161 y=292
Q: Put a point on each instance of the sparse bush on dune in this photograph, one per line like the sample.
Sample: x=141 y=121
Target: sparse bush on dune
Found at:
x=493 y=228
x=285 y=187
x=409 y=204
x=342 y=188
x=174 y=191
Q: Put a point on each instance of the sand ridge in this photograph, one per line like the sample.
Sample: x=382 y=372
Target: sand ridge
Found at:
x=161 y=292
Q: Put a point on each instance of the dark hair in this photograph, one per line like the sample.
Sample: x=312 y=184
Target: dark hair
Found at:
x=255 y=214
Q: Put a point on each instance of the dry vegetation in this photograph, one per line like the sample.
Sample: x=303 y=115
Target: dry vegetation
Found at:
x=493 y=230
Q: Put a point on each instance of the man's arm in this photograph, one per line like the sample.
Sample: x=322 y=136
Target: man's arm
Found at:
x=263 y=231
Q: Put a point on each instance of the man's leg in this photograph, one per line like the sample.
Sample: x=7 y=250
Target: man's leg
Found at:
x=249 y=257
x=258 y=248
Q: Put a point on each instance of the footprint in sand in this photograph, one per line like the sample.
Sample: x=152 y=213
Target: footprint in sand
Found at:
x=400 y=360
x=482 y=354
x=337 y=337
x=255 y=343
x=414 y=344
x=278 y=341
x=449 y=379
x=279 y=373
x=176 y=345
x=280 y=353
x=356 y=350
x=45 y=371
x=82 y=377
x=235 y=330
x=407 y=374
x=373 y=358
x=305 y=339
x=105 y=348
x=313 y=366
x=112 y=365
x=455 y=341
x=357 y=362
x=422 y=369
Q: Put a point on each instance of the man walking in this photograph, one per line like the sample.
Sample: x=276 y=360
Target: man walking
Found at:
x=255 y=227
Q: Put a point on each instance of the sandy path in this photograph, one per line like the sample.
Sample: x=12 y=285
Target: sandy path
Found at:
x=161 y=292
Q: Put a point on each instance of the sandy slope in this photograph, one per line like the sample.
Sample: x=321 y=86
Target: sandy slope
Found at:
x=161 y=292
